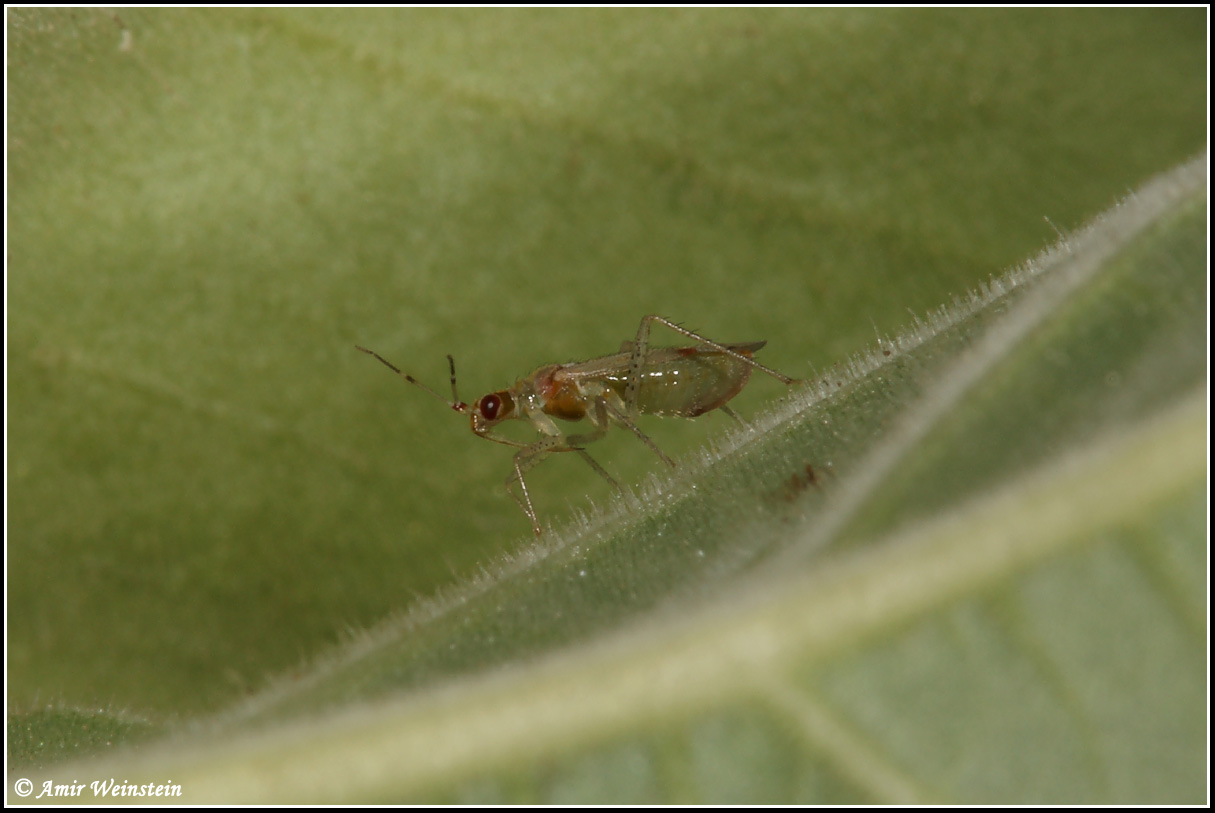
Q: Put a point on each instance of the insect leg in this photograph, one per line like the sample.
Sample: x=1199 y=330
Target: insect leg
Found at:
x=625 y=421
x=602 y=472
x=525 y=458
x=737 y=418
x=633 y=387
x=599 y=419
x=525 y=461
x=526 y=502
x=643 y=339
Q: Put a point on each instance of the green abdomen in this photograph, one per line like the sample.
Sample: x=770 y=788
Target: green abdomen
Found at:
x=685 y=387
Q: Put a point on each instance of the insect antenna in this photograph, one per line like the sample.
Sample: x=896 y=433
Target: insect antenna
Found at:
x=456 y=403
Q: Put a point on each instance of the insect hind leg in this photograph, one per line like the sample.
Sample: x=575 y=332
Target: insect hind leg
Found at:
x=641 y=344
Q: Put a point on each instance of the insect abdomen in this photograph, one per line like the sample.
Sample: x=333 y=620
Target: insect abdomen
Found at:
x=689 y=386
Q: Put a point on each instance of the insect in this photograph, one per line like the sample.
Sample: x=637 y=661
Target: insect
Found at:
x=611 y=390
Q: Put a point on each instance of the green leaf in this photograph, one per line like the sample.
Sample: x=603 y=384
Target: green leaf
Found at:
x=200 y=495
x=1038 y=638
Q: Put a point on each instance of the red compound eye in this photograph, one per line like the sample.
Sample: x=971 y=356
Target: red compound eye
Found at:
x=490 y=406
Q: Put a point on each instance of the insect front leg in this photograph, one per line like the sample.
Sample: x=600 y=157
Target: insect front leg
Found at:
x=525 y=459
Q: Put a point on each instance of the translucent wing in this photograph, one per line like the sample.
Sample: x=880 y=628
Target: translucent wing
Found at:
x=617 y=364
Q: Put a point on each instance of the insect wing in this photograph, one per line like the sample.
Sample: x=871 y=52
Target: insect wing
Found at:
x=675 y=381
x=617 y=365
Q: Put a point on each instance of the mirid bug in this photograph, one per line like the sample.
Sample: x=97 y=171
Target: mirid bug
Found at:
x=679 y=382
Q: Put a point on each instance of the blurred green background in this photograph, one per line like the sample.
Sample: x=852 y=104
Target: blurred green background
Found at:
x=209 y=208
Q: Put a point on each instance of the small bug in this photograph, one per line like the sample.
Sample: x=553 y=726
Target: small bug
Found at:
x=668 y=381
